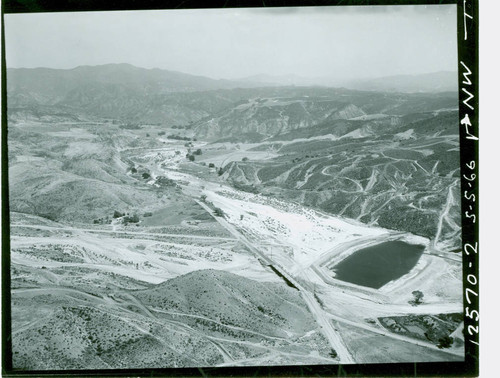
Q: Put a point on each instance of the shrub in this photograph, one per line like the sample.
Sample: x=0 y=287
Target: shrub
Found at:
x=177 y=137
x=146 y=175
x=218 y=212
x=211 y=165
x=164 y=181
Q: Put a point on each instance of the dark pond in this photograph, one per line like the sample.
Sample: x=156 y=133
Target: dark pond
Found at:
x=375 y=266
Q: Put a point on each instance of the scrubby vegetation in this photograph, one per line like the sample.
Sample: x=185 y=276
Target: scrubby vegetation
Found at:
x=433 y=328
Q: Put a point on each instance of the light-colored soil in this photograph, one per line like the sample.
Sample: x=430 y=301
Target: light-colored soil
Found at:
x=184 y=287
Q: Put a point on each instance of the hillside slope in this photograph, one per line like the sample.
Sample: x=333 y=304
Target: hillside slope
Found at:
x=272 y=309
x=204 y=318
x=313 y=108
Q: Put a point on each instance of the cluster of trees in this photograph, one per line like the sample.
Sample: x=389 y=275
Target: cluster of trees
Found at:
x=144 y=175
x=191 y=156
x=102 y=221
x=220 y=171
x=126 y=218
x=445 y=342
x=131 y=219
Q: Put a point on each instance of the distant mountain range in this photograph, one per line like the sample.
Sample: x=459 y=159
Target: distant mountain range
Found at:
x=122 y=91
x=49 y=85
x=283 y=80
x=114 y=91
x=444 y=81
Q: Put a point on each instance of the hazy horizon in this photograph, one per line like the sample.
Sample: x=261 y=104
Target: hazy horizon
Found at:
x=221 y=78
x=338 y=43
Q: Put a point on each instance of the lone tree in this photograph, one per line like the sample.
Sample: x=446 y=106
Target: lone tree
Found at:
x=417 y=297
x=333 y=353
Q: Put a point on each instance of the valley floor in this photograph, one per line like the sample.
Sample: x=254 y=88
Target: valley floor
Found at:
x=218 y=276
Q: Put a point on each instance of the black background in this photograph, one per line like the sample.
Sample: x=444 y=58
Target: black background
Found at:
x=467 y=52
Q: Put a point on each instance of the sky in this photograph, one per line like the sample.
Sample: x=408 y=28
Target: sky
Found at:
x=349 y=42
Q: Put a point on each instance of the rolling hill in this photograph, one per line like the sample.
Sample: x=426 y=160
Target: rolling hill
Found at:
x=400 y=175
x=203 y=318
x=314 y=108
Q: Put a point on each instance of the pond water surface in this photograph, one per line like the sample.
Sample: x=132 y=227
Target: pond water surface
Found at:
x=379 y=264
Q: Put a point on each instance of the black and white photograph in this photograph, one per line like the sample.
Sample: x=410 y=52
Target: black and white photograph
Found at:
x=235 y=187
